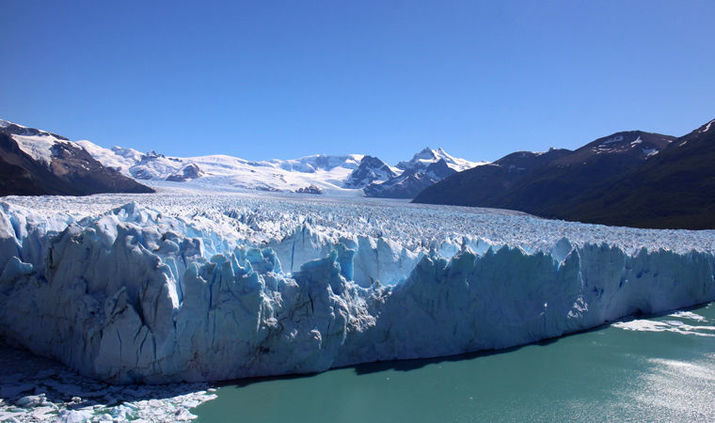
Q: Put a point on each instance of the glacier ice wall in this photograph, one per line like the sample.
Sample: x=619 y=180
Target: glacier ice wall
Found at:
x=135 y=294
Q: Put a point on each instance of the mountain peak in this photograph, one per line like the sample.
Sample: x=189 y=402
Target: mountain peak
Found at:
x=426 y=153
x=427 y=156
x=370 y=170
x=431 y=153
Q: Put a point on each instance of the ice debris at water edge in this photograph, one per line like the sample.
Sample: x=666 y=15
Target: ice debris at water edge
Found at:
x=34 y=389
x=194 y=287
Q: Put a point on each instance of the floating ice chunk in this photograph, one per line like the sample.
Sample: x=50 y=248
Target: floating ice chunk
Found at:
x=643 y=325
x=688 y=315
x=31 y=401
x=74 y=416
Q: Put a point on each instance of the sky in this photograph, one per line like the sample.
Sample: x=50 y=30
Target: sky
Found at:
x=285 y=79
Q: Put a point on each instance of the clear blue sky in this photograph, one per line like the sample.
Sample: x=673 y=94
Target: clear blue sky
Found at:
x=266 y=79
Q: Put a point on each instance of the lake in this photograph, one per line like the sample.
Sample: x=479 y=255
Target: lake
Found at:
x=659 y=369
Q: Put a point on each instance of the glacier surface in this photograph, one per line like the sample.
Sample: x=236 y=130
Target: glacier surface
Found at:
x=185 y=286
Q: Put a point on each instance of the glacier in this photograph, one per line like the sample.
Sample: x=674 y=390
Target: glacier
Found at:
x=196 y=286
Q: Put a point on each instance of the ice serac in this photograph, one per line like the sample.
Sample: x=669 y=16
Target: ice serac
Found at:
x=136 y=295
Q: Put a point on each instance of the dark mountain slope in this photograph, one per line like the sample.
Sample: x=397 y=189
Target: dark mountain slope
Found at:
x=485 y=185
x=556 y=186
x=674 y=189
x=71 y=170
x=630 y=178
x=410 y=182
x=424 y=169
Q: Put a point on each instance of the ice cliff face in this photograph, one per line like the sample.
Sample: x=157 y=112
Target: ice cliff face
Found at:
x=236 y=287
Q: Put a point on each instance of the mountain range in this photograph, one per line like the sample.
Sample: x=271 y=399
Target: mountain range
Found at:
x=629 y=178
x=352 y=174
x=48 y=169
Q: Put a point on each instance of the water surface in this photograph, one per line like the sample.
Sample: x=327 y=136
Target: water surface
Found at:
x=659 y=369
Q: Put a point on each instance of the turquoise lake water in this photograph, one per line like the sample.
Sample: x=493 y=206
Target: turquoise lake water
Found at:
x=658 y=369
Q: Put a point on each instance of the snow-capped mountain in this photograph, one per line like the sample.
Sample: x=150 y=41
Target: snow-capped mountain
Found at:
x=428 y=156
x=352 y=174
x=424 y=169
x=36 y=162
x=326 y=173
x=371 y=169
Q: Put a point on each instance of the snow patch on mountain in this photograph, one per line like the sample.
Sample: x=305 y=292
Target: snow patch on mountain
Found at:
x=35 y=143
x=649 y=152
x=39 y=147
x=615 y=139
x=117 y=157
